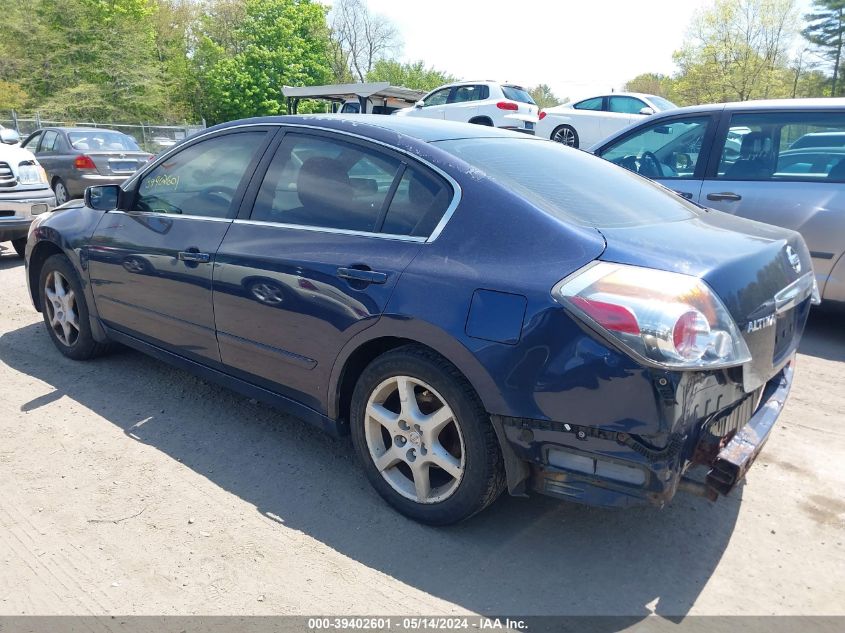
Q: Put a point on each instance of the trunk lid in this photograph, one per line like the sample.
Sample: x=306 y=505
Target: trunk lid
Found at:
x=118 y=163
x=762 y=273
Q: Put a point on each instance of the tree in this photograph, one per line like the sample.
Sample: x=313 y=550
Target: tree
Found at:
x=240 y=73
x=78 y=60
x=825 y=31
x=736 y=51
x=409 y=75
x=360 y=39
x=12 y=96
x=650 y=83
x=544 y=97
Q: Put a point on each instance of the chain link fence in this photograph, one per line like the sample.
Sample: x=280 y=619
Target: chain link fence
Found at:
x=151 y=138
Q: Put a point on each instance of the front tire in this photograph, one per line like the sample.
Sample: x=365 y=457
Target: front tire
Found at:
x=426 y=444
x=65 y=311
x=566 y=135
x=19 y=246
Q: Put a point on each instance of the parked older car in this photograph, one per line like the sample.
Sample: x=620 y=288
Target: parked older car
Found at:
x=478 y=308
x=76 y=158
x=24 y=192
x=781 y=162
x=587 y=121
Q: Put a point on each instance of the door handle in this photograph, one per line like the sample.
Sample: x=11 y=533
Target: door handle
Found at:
x=724 y=195
x=684 y=194
x=367 y=276
x=194 y=256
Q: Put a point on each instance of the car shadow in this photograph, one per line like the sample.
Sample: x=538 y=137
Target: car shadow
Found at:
x=533 y=556
x=8 y=257
x=824 y=336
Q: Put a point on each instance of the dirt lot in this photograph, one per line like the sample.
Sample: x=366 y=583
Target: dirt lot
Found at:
x=130 y=487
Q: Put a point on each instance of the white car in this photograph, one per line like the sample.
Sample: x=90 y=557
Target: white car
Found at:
x=586 y=122
x=24 y=192
x=501 y=105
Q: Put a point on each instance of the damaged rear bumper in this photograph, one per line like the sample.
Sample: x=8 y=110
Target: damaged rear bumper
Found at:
x=609 y=468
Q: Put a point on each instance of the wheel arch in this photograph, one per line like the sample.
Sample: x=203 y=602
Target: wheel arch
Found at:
x=374 y=341
x=41 y=252
x=481 y=120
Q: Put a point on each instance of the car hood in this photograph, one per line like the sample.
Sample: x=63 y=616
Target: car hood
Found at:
x=14 y=154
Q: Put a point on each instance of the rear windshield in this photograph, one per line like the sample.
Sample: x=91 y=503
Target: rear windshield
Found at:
x=102 y=139
x=515 y=93
x=571 y=185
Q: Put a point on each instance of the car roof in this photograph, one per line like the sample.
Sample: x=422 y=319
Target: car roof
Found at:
x=423 y=129
x=821 y=103
x=78 y=129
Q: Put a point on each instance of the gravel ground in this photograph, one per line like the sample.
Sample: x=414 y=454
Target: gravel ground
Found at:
x=130 y=487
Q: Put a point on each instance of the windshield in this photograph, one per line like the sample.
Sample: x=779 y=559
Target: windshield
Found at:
x=102 y=139
x=571 y=185
x=515 y=93
x=661 y=103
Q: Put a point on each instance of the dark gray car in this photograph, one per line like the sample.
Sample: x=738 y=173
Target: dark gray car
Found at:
x=780 y=162
x=75 y=158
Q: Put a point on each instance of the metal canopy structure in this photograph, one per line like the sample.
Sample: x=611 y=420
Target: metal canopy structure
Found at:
x=340 y=93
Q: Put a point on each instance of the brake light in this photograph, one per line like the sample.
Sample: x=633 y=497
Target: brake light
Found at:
x=84 y=162
x=507 y=105
x=669 y=319
x=542 y=115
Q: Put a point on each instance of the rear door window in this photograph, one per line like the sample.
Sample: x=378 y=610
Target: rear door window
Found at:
x=418 y=205
x=784 y=146
x=463 y=94
x=318 y=181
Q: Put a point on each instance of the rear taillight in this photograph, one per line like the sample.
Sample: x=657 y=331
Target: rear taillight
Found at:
x=84 y=162
x=664 y=318
x=541 y=116
x=507 y=105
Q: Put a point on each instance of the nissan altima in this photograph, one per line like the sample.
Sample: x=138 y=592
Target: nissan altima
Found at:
x=479 y=309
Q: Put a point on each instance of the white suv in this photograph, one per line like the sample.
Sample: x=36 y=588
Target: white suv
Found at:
x=483 y=102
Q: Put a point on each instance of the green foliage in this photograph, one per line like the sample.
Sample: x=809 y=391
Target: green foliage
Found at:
x=651 y=84
x=78 y=59
x=544 y=96
x=737 y=50
x=241 y=72
x=413 y=75
x=826 y=30
x=12 y=96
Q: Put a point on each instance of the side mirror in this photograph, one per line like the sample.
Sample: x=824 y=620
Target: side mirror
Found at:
x=419 y=104
x=10 y=137
x=102 y=197
x=647 y=111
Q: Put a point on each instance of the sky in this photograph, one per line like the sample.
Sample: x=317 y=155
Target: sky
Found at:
x=578 y=47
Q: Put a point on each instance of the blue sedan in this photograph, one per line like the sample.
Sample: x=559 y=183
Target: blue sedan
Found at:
x=479 y=309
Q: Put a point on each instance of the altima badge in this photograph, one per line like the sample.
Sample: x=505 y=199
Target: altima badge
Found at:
x=793 y=258
x=759 y=324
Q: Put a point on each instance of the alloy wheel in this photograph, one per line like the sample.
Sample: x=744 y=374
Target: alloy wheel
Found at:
x=565 y=135
x=62 y=311
x=414 y=439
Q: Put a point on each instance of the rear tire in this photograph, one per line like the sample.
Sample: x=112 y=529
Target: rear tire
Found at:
x=435 y=459
x=65 y=310
x=19 y=245
x=566 y=135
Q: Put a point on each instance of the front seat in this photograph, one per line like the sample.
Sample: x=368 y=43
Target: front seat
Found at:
x=755 y=159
